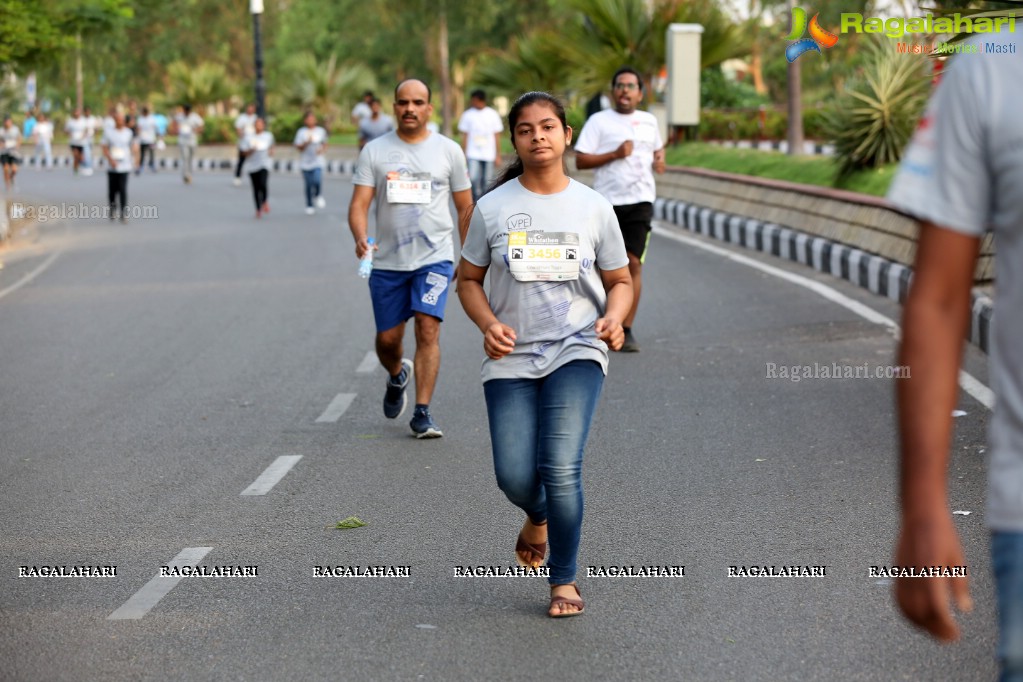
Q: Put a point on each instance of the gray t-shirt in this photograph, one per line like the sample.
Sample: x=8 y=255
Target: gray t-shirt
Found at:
x=120 y=141
x=553 y=320
x=413 y=215
x=964 y=171
x=370 y=129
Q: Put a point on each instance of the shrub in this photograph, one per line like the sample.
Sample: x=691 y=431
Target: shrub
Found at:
x=873 y=121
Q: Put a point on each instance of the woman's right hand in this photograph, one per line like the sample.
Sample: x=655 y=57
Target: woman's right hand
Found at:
x=498 y=340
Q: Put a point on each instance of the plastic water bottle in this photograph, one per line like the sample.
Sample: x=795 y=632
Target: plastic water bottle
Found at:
x=366 y=264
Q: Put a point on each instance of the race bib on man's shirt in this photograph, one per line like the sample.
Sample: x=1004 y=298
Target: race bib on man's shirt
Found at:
x=118 y=153
x=408 y=188
x=543 y=256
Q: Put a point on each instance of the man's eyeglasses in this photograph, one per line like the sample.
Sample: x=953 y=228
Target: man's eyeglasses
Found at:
x=626 y=86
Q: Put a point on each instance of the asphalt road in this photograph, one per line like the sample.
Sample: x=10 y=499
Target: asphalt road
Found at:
x=152 y=372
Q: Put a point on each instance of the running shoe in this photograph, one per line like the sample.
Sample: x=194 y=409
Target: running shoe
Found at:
x=423 y=425
x=395 y=399
x=321 y=202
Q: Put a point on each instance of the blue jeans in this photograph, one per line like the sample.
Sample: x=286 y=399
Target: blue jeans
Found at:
x=1007 y=559
x=313 y=181
x=481 y=174
x=538 y=429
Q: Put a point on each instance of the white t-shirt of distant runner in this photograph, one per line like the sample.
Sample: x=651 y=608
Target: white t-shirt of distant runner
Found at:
x=76 y=130
x=260 y=144
x=246 y=123
x=311 y=157
x=480 y=126
x=147 y=129
x=187 y=128
x=629 y=180
x=964 y=171
x=119 y=141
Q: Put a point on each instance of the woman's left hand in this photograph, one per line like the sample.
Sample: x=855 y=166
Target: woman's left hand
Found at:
x=609 y=330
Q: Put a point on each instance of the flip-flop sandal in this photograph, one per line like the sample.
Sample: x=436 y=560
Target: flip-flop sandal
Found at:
x=534 y=550
x=567 y=600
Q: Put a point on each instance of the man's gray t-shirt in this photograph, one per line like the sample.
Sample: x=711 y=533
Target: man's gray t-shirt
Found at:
x=964 y=171
x=553 y=320
x=370 y=128
x=413 y=184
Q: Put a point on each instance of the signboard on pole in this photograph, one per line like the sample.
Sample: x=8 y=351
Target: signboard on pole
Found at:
x=683 y=58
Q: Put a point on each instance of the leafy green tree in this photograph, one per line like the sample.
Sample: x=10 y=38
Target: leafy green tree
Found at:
x=201 y=85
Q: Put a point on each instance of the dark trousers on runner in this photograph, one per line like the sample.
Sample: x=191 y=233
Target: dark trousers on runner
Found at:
x=260 y=189
x=143 y=150
x=117 y=189
x=238 y=166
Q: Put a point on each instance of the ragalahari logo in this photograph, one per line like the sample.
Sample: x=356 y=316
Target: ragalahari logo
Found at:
x=818 y=36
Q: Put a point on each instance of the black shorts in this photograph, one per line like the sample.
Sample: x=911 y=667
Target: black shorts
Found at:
x=634 y=220
x=9 y=159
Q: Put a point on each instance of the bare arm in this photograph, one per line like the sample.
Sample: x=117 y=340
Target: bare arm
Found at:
x=618 y=285
x=497 y=146
x=358 y=217
x=935 y=319
x=586 y=161
x=659 y=164
x=464 y=206
x=498 y=338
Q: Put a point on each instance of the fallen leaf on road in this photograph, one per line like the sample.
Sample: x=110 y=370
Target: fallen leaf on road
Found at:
x=962 y=513
x=350 y=522
x=760 y=460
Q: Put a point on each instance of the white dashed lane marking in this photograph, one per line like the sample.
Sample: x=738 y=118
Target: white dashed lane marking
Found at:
x=140 y=603
x=273 y=474
x=368 y=364
x=337 y=407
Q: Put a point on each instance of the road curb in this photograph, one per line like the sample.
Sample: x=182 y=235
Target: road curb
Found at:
x=878 y=275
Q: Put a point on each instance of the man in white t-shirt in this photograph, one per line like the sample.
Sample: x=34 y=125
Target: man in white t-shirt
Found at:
x=147 y=130
x=42 y=134
x=481 y=128
x=311 y=141
x=76 y=128
x=120 y=150
x=244 y=125
x=363 y=108
x=187 y=126
x=92 y=124
x=623 y=145
x=961 y=176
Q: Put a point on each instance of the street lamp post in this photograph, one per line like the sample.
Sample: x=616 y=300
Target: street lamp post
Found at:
x=256 y=8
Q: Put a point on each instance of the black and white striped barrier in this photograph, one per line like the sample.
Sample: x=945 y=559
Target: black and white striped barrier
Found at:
x=331 y=167
x=811 y=148
x=874 y=273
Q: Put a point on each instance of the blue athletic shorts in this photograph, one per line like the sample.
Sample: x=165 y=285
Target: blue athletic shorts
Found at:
x=397 y=295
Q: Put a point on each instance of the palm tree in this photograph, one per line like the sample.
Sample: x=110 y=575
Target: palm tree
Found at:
x=323 y=85
x=202 y=85
x=610 y=33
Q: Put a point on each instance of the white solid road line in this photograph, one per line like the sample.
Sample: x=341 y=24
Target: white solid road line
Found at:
x=273 y=474
x=368 y=364
x=337 y=407
x=140 y=603
x=30 y=276
x=969 y=383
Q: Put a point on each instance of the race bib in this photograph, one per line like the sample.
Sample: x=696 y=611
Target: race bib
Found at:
x=77 y=135
x=185 y=129
x=408 y=188
x=260 y=145
x=315 y=137
x=250 y=129
x=118 y=153
x=10 y=143
x=543 y=256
